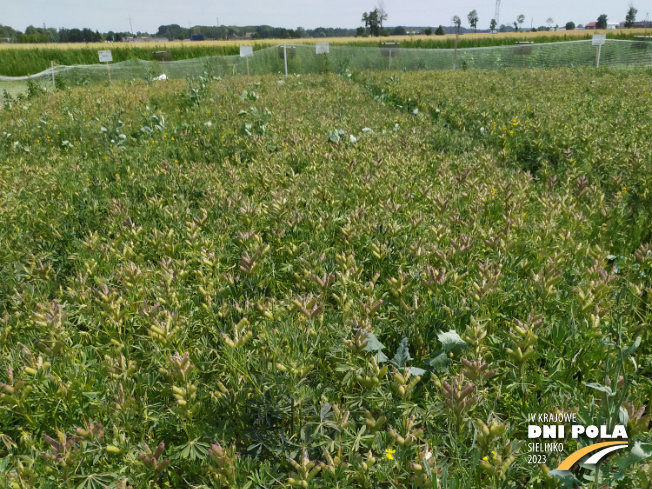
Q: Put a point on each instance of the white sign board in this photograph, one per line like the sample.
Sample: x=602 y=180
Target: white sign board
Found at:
x=323 y=48
x=105 y=56
x=599 y=39
x=246 y=51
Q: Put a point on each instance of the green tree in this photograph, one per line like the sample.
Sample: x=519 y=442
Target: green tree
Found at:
x=550 y=21
x=492 y=25
x=381 y=12
x=602 y=22
x=427 y=31
x=372 y=22
x=457 y=22
x=570 y=25
x=473 y=20
x=440 y=31
x=630 y=18
x=517 y=23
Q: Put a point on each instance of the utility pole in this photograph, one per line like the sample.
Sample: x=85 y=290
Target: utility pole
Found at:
x=131 y=26
x=497 y=14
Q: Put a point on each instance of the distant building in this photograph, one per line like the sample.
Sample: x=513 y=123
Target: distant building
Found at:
x=612 y=26
x=591 y=25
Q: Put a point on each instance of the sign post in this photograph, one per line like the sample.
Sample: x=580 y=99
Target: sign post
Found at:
x=285 y=59
x=323 y=48
x=105 y=57
x=54 y=85
x=598 y=40
x=246 y=52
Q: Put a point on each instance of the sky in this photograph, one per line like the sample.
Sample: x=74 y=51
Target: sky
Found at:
x=147 y=15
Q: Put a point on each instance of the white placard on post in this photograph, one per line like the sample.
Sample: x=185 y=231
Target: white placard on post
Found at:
x=105 y=56
x=323 y=48
x=246 y=51
x=599 y=39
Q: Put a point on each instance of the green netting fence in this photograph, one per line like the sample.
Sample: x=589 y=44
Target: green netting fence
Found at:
x=303 y=59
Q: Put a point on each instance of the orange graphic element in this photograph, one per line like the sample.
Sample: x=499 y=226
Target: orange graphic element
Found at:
x=575 y=456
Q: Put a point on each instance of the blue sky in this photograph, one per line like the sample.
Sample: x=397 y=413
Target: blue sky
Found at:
x=147 y=15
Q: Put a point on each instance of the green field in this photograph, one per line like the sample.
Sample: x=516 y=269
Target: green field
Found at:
x=29 y=59
x=359 y=281
x=13 y=89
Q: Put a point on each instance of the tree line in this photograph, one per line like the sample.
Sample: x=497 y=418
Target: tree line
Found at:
x=373 y=24
x=172 y=32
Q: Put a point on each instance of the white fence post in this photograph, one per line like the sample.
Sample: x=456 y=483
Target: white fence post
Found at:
x=285 y=58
